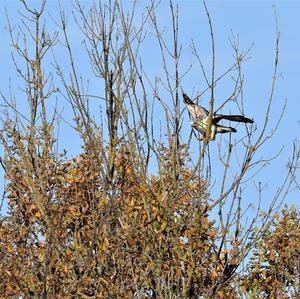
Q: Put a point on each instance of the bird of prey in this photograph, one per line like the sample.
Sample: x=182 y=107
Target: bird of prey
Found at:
x=200 y=118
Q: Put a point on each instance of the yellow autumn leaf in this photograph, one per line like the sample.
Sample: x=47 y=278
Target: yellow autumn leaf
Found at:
x=272 y=256
x=105 y=244
x=214 y=274
x=38 y=214
x=164 y=225
x=81 y=179
x=13 y=194
x=70 y=178
x=102 y=202
x=220 y=294
x=185 y=197
x=194 y=186
x=9 y=289
x=10 y=249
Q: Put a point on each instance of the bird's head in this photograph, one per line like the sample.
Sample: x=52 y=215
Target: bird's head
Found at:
x=187 y=100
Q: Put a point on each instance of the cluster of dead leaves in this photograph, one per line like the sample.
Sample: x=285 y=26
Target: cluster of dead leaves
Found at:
x=275 y=266
x=72 y=233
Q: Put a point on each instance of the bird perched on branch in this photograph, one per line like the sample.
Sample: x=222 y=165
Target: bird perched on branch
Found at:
x=200 y=119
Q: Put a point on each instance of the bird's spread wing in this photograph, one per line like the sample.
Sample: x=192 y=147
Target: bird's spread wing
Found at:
x=200 y=126
x=198 y=113
x=237 y=118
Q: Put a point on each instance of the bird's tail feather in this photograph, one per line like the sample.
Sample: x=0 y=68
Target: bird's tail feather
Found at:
x=238 y=118
x=223 y=129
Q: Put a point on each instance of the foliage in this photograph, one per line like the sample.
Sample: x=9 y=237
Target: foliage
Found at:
x=274 y=268
x=87 y=242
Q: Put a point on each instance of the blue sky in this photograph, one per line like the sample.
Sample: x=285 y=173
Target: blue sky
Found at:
x=254 y=22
